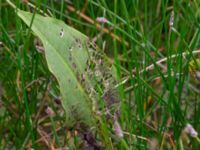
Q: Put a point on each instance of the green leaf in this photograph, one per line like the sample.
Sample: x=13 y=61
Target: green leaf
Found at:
x=66 y=54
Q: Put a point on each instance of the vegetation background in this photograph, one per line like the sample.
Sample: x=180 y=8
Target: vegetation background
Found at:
x=156 y=47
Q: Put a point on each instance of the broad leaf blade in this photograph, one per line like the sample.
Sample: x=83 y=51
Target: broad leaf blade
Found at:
x=66 y=55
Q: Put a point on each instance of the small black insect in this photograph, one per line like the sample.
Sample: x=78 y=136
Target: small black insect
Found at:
x=61 y=32
x=74 y=65
x=57 y=100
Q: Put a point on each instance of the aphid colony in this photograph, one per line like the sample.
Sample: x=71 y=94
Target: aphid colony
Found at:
x=97 y=76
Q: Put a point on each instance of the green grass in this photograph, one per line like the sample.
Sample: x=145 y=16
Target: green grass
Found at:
x=157 y=99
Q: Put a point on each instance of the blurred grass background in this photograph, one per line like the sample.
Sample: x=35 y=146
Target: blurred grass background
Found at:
x=160 y=78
